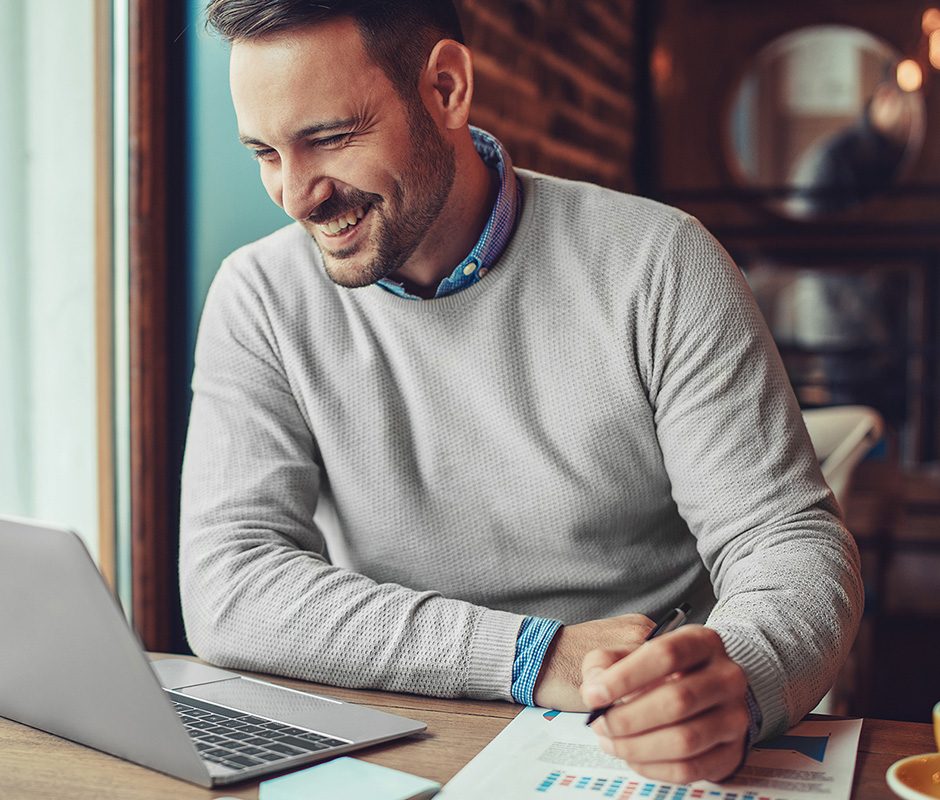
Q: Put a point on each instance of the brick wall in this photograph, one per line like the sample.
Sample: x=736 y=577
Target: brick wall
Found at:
x=555 y=83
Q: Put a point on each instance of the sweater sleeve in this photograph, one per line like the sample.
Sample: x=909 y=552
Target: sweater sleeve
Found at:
x=257 y=586
x=744 y=476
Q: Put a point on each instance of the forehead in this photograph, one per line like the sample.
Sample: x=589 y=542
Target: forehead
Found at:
x=303 y=76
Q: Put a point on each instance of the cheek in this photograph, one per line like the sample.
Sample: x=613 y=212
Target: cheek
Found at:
x=271 y=179
x=360 y=169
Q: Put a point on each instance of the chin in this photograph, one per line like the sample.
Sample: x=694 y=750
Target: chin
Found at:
x=352 y=276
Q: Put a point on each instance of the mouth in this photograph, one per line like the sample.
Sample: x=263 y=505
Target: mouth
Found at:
x=343 y=226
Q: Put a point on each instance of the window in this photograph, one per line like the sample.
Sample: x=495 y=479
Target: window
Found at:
x=55 y=274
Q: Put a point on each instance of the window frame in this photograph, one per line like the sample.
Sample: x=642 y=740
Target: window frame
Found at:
x=156 y=200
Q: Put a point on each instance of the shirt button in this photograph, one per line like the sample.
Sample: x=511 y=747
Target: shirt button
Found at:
x=468 y=270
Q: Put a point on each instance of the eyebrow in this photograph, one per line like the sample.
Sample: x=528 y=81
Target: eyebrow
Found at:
x=303 y=133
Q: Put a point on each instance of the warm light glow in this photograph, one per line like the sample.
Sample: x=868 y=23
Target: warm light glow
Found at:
x=661 y=66
x=934 y=49
x=910 y=75
x=930 y=22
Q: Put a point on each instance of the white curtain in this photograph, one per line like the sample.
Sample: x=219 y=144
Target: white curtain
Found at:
x=48 y=438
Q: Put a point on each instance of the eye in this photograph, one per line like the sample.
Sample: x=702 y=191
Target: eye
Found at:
x=331 y=141
x=264 y=154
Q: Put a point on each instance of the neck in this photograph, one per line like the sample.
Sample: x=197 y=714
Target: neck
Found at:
x=459 y=226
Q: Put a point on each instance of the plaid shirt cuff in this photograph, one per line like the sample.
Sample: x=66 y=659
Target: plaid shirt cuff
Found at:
x=535 y=635
x=756 y=720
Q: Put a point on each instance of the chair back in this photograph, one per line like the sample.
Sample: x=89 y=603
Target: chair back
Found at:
x=842 y=436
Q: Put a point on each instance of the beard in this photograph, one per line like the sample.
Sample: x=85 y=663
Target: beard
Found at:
x=399 y=222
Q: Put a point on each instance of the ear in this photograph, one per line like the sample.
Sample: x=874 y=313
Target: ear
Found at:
x=448 y=77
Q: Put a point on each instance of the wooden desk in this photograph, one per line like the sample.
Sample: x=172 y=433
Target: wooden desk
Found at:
x=37 y=766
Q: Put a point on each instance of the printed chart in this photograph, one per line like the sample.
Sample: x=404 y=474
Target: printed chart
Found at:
x=562 y=784
x=555 y=756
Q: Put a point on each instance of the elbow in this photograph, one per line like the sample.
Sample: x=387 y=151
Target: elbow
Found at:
x=207 y=630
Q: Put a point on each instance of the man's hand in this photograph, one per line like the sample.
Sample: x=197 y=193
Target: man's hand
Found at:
x=682 y=714
x=560 y=676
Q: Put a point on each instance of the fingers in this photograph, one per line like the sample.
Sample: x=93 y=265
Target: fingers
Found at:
x=682 y=716
x=684 y=741
x=673 y=701
x=597 y=661
x=682 y=650
x=714 y=765
x=631 y=629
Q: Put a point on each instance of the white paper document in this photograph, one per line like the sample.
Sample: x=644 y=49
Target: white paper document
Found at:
x=555 y=755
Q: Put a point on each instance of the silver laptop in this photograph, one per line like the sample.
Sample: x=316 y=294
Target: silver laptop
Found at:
x=70 y=665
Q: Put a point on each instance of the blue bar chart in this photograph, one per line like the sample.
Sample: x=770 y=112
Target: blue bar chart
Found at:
x=561 y=784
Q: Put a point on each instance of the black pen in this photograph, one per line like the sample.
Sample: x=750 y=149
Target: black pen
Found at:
x=670 y=622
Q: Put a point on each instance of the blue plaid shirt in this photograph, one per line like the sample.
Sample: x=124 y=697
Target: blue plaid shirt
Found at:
x=536 y=633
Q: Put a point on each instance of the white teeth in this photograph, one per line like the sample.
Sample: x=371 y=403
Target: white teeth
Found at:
x=335 y=226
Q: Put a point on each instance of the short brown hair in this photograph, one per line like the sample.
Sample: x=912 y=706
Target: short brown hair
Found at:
x=398 y=34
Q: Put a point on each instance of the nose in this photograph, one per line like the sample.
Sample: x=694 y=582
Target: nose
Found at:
x=303 y=188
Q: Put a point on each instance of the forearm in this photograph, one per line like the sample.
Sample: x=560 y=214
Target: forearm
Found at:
x=788 y=614
x=251 y=602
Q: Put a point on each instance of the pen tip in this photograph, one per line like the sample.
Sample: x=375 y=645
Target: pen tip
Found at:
x=685 y=608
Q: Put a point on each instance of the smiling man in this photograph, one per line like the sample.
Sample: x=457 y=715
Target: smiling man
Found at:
x=541 y=410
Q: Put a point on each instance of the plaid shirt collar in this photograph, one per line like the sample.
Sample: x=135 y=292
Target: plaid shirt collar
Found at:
x=498 y=229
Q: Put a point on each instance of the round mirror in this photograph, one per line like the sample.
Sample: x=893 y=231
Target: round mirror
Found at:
x=820 y=122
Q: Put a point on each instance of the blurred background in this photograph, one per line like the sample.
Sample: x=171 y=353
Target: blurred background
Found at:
x=803 y=135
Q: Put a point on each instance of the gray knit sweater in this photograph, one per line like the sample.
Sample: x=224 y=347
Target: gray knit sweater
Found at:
x=601 y=425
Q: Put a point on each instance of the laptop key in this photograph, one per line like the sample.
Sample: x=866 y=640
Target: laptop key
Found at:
x=300 y=744
x=287 y=750
x=335 y=742
x=275 y=726
x=254 y=720
x=254 y=729
x=316 y=738
x=199 y=734
x=212 y=738
x=242 y=761
x=267 y=757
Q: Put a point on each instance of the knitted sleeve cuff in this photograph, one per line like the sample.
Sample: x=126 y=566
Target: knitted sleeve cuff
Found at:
x=764 y=695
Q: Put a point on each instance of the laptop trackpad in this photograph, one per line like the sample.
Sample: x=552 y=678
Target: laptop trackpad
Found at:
x=322 y=714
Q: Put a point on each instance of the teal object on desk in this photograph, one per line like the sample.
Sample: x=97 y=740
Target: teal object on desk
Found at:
x=348 y=779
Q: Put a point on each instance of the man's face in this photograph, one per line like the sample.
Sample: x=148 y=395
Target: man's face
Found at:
x=365 y=172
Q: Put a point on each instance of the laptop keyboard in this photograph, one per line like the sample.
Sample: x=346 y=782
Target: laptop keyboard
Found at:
x=239 y=740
